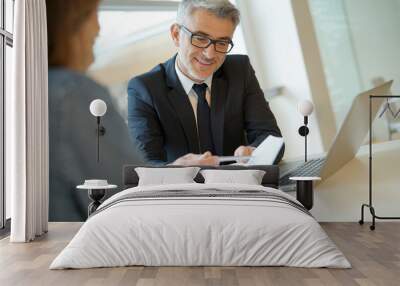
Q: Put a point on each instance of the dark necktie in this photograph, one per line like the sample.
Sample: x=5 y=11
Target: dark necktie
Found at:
x=203 y=119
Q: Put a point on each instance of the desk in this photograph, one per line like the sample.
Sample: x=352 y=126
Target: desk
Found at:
x=339 y=197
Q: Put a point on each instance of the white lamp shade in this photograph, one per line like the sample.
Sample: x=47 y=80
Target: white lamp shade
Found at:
x=98 y=107
x=305 y=107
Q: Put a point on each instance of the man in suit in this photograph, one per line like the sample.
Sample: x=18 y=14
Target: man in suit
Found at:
x=201 y=102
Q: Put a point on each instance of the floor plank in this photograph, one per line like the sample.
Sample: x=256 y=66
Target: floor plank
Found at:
x=374 y=255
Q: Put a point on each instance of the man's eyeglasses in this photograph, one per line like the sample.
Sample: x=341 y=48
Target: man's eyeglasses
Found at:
x=201 y=41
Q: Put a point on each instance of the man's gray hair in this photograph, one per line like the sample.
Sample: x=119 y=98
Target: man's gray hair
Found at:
x=220 y=8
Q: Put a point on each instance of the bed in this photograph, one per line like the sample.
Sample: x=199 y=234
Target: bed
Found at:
x=201 y=224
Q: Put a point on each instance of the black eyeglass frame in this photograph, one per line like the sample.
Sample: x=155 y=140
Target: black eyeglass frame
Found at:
x=210 y=41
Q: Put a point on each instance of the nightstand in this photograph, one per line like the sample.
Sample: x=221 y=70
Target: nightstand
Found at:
x=96 y=193
x=304 y=190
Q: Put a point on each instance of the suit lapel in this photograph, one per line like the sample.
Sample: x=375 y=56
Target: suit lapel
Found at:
x=218 y=97
x=182 y=106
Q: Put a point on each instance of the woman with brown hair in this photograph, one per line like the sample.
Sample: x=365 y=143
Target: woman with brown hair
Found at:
x=72 y=30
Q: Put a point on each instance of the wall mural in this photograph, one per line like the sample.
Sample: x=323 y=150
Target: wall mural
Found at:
x=88 y=63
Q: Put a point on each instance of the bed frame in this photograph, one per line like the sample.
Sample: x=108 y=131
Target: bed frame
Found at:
x=130 y=178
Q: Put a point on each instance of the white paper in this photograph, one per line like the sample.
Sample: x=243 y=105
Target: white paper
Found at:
x=266 y=152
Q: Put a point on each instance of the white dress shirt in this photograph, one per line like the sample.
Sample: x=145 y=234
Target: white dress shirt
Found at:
x=187 y=85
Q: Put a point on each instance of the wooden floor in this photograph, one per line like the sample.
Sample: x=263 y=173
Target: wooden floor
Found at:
x=374 y=255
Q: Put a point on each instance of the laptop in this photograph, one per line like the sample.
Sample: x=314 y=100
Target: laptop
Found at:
x=346 y=144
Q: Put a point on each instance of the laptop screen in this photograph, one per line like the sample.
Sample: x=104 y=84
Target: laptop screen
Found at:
x=354 y=129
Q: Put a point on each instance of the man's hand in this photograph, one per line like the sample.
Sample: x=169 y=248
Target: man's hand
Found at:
x=244 y=151
x=197 y=159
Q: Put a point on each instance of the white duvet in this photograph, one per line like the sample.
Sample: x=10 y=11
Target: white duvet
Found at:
x=200 y=231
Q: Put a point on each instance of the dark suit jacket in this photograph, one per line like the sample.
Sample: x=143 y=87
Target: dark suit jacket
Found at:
x=73 y=143
x=162 y=122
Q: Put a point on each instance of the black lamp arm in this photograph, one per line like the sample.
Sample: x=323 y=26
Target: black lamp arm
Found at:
x=100 y=131
x=303 y=131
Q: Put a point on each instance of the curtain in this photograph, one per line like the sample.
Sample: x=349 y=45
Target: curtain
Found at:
x=27 y=124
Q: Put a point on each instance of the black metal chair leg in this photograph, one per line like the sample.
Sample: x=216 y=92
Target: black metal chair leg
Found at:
x=361 y=221
x=372 y=210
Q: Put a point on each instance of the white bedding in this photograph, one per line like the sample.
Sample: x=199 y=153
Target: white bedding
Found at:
x=200 y=231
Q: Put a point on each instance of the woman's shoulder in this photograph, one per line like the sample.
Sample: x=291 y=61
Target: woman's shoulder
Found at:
x=64 y=82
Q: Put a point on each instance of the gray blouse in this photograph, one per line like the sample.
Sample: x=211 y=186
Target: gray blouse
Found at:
x=73 y=143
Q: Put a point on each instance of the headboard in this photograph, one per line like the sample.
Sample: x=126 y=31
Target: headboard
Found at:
x=130 y=178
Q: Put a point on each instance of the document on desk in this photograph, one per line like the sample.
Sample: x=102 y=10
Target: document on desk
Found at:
x=233 y=158
x=264 y=154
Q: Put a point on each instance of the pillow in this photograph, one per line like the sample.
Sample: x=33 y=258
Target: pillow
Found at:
x=165 y=176
x=248 y=177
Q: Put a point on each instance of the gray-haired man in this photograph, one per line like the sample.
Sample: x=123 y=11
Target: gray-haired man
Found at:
x=201 y=102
